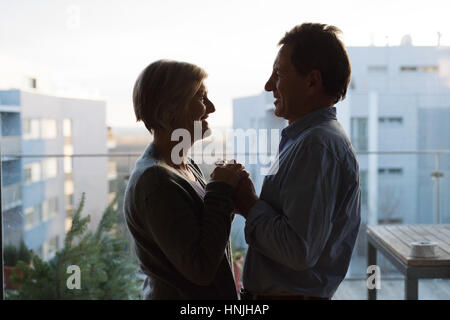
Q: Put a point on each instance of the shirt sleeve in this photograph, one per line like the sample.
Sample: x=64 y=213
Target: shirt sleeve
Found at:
x=193 y=241
x=297 y=236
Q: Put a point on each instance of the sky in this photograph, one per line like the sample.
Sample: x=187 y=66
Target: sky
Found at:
x=103 y=45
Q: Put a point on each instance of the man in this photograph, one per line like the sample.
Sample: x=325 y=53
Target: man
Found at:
x=302 y=229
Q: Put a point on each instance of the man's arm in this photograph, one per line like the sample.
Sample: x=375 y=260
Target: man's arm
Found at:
x=297 y=236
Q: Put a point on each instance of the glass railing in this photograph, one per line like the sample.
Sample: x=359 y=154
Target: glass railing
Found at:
x=45 y=207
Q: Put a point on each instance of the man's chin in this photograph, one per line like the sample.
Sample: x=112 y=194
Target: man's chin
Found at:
x=278 y=112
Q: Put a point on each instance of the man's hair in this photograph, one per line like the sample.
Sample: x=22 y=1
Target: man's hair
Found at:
x=317 y=47
x=162 y=90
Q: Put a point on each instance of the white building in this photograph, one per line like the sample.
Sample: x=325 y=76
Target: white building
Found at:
x=400 y=101
x=40 y=187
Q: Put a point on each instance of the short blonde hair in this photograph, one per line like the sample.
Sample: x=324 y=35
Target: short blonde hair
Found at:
x=163 y=89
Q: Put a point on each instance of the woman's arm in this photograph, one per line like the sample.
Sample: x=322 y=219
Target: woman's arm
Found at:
x=194 y=242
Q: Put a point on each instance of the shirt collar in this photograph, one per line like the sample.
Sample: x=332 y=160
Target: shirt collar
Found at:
x=312 y=118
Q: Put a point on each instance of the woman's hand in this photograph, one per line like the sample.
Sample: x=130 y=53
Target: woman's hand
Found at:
x=231 y=173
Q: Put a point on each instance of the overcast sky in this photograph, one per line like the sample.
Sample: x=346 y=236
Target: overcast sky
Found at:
x=103 y=45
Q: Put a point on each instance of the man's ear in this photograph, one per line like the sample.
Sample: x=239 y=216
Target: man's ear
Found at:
x=315 y=80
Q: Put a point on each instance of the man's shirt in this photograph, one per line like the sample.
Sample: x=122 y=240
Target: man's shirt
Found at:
x=302 y=230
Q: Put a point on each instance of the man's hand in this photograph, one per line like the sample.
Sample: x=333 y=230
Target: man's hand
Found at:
x=244 y=197
x=231 y=174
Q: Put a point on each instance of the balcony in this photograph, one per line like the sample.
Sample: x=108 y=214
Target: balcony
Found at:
x=11 y=145
x=418 y=193
x=11 y=196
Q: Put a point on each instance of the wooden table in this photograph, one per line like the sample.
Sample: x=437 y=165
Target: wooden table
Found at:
x=393 y=241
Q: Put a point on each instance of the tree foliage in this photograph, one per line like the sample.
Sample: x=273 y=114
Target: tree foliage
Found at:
x=108 y=269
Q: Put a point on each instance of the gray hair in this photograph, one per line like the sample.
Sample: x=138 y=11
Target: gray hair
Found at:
x=163 y=89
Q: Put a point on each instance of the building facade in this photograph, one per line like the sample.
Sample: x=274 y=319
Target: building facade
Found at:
x=44 y=177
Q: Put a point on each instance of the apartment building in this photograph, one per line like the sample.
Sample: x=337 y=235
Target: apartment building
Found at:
x=45 y=143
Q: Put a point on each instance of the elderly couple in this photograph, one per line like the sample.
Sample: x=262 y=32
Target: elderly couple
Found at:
x=302 y=228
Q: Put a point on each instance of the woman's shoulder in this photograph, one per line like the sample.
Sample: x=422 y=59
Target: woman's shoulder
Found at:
x=150 y=176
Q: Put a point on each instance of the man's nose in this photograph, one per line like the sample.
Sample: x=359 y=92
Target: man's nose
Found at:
x=268 y=86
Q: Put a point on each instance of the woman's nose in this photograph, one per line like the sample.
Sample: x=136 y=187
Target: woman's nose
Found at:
x=210 y=108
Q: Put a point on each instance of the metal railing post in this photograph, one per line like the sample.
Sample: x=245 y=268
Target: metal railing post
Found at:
x=437 y=174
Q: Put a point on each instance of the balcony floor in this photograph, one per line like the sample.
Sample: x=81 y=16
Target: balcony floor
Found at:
x=393 y=289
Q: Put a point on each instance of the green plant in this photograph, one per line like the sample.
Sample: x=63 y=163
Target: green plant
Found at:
x=237 y=250
x=24 y=253
x=108 y=271
x=10 y=256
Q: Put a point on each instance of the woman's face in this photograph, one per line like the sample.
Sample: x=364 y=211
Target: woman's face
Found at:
x=198 y=109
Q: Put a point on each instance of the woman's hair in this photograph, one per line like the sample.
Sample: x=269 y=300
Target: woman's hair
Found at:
x=163 y=90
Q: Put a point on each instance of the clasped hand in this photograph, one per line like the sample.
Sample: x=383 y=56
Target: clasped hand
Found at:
x=244 y=191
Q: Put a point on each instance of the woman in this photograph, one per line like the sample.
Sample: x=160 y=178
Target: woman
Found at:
x=180 y=224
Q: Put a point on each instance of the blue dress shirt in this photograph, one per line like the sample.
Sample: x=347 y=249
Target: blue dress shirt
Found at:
x=302 y=230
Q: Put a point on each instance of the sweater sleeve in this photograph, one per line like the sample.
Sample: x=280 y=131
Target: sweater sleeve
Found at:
x=193 y=241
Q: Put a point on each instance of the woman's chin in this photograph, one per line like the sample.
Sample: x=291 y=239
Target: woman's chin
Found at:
x=206 y=130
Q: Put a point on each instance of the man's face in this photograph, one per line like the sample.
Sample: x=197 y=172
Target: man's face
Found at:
x=288 y=87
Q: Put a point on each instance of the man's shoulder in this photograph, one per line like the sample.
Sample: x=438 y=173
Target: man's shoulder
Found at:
x=330 y=137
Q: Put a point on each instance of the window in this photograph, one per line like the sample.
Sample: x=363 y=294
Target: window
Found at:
x=48 y=127
x=49 y=208
x=68 y=150
x=32 y=172
x=67 y=127
x=33 y=216
x=377 y=69
x=69 y=199
x=395 y=171
x=67 y=131
x=364 y=186
x=50 y=168
x=50 y=247
x=408 y=68
x=68 y=166
x=419 y=68
x=31 y=129
x=390 y=171
x=390 y=120
x=112 y=170
x=429 y=68
x=398 y=120
x=68 y=187
x=69 y=211
x=390 y=220
x=359 y=133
